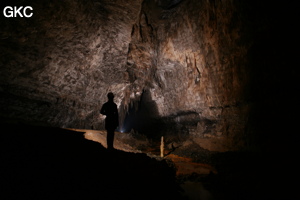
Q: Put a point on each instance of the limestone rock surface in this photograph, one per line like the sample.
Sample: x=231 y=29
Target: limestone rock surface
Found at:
x=206 y=66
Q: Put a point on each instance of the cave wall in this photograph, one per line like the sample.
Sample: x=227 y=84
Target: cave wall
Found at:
x=192 y=57
x=198 y=61
x=58 y=65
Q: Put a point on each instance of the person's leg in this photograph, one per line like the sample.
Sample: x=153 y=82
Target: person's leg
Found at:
x=110 y=139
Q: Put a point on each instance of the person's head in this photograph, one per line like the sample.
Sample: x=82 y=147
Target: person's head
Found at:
x=110 y=96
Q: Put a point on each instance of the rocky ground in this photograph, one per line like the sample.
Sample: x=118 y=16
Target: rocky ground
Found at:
x=52 y=163
x=204 y=174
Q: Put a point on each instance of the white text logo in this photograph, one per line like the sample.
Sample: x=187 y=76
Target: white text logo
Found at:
x=15 y=11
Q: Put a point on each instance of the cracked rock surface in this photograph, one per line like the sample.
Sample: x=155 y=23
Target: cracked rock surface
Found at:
x=196 y=65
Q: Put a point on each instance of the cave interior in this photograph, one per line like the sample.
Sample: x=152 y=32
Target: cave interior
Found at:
x=217 y=79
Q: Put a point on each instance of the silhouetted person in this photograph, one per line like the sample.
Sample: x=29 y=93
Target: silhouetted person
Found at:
x=112 y=119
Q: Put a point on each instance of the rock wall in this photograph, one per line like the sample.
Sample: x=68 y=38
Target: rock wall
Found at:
x=191 y=57
x=59 y=64
x=197 y=62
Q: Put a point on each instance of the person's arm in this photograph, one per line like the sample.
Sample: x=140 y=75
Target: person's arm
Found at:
x=103 y=111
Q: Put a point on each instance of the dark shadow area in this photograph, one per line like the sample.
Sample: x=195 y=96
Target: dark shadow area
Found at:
x=53 y=163
x=274 y=81
x=250 y=176
x=143 y=117
x=169 y=4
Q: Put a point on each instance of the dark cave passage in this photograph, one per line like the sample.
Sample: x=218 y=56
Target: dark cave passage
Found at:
x=142 y=116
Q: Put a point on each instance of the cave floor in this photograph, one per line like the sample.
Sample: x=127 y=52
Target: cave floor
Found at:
x=204 y=174
x=54 y=163
x=125 y=142
x=51 y=163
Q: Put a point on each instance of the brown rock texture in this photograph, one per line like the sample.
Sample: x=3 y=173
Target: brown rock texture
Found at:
x=59 y=64
x=206 y=66
x=196 y=62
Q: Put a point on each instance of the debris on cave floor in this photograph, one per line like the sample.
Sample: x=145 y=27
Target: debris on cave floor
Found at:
x=185 y=166
x=202 y=173
x=188 y=159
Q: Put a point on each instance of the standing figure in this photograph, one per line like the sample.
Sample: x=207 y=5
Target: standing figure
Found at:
x=112 y=119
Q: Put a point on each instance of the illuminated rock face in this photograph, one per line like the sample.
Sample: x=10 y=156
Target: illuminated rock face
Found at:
x=188 y=61
x=59 y=64
x=191 y=61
